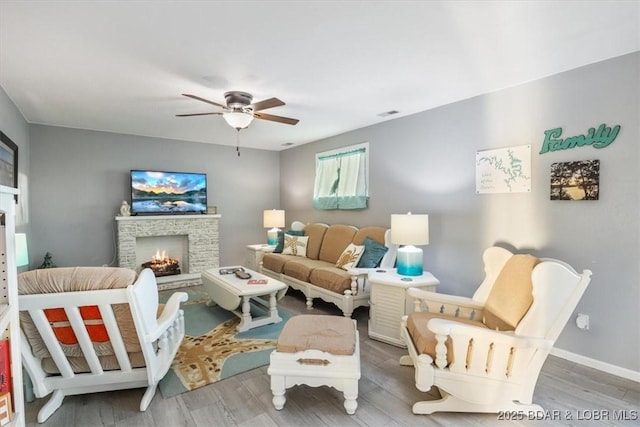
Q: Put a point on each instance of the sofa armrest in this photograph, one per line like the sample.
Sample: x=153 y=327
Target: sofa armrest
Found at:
x=359 y=271
x=389 y=259
x=359 y=279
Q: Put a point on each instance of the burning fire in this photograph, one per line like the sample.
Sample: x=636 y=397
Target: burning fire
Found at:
x=162 y=265
x=158 y=257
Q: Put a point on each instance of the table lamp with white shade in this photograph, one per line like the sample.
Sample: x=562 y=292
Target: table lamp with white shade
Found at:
x=273 y=219
x=409 y=230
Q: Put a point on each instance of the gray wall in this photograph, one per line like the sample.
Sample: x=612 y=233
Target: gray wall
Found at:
x=76 y=179
x=424 y=163
x=80 y=177
x=16 y=128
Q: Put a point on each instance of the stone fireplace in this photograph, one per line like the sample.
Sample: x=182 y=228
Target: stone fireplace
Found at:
x=192 y=240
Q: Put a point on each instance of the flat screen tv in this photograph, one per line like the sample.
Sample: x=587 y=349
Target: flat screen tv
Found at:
x=161 y=192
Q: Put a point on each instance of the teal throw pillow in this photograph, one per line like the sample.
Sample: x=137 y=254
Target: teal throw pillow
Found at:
x=281 y=233
x=373 y=253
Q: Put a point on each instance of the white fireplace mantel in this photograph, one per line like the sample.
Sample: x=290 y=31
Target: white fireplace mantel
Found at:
x=164 y=217
x=201 y=232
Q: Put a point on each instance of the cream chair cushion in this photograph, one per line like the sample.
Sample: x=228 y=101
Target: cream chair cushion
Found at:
x=510 y=296
x=333 y=334
x=424 y=340
x=507 y=303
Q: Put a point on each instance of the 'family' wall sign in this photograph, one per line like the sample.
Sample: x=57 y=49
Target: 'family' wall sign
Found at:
x=600 y=138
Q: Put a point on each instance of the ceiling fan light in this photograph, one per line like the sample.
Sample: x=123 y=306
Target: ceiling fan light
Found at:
x=238 y=120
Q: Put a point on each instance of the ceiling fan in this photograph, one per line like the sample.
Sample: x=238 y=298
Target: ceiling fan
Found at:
x=240 y=112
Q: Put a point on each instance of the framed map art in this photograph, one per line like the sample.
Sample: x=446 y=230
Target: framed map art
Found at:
x=504 y=170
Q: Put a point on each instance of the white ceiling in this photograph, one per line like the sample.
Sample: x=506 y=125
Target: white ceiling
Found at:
x=122 y=66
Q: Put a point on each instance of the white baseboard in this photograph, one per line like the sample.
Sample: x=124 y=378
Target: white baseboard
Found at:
x=596 y=364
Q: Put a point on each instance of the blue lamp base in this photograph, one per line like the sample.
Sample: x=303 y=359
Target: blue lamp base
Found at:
x=272 y=236
x=409 y=261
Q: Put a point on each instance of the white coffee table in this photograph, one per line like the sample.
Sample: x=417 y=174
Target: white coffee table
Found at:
x=232 y=293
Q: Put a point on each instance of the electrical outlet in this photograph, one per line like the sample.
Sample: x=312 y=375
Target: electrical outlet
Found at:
x=582 y=321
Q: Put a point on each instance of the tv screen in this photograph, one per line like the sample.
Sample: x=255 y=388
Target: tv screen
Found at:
x=160 y=192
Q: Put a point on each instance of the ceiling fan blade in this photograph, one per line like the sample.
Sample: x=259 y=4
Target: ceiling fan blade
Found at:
x=267 y=103
x=279 y=119
x=203 y=100
x=196 y=114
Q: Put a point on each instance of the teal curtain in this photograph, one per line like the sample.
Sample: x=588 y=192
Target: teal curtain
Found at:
x=341 y=180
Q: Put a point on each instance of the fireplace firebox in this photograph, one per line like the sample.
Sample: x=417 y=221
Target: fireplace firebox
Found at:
x=162 y=265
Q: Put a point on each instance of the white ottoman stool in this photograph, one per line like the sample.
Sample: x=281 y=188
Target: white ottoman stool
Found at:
x=317 y=350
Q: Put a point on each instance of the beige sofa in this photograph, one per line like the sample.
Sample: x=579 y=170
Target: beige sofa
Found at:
x=316 y=273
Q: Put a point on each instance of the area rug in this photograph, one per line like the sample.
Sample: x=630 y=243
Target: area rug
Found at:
x=212 y=350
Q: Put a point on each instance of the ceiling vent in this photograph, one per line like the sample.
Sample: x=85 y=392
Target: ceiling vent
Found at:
x=388 y=113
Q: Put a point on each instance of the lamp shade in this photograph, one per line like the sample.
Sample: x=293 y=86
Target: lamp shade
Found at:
x=238 y=119
x=410 y=229
x=273 y=218
x=22 y=253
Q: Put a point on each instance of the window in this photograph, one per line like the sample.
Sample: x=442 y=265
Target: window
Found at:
x=342 y=178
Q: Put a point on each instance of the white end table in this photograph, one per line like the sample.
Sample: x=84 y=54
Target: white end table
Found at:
x=255 y=254
x=389 y=302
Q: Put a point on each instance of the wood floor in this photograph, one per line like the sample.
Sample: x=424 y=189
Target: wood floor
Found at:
x=571 y=394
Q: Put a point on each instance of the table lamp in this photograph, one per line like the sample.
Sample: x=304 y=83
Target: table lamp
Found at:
x=273 y=219
x=409 y=230
x=22 y=254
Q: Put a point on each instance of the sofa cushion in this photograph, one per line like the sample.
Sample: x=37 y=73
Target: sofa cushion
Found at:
x=350 y=256
x=424 y=340
x=276 y=262
x=511 y=294
x=281 y=233
x=331 y=278
x=295 y=245
x=301 y=268
x=316 y=235
x=375 y=233
x=372 y=255
x=336 y=239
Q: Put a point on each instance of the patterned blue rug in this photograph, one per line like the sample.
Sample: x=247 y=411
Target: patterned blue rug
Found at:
x=212 y=350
